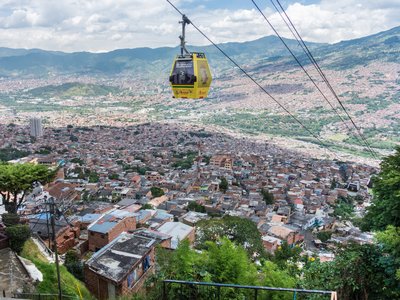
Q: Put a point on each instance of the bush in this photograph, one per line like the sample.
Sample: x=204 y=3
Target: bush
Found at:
x=10 y=219
x=156 y=192
x=18 y=235
x=324 y=236
x=74 y=264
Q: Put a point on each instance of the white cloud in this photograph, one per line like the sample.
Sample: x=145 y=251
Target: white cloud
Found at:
x=94 y=25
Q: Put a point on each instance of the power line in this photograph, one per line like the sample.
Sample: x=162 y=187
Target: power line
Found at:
x=252 y=79
x=305 y=71
x=307 y=51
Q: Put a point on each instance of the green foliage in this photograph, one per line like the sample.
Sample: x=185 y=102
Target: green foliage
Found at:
x=286 y=256
x=77 y=160
x=93 y=177
x=267 y=197
x=7 y=154
x=221 y=262
x=344 y=208
x=390 y=239
x=206 y=159
x=239 y=230
x=390 y=242
x=10 y=219
x=226 y=262
x=274 y=276
x=385 y=208
x=16 y=181
x=74 y=264
x=73 y=89
x=358 y=272
x=223 y=185
x=194 y=206
x=185 y=160
x=73 y=138
x=156 y=191
x=113 y=176
x=324 y=236
x=333 y=184
x=146 y=206
x=18 y=234
x=69 y=284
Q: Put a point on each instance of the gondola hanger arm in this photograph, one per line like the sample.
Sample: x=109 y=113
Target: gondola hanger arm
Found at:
x=185 y=20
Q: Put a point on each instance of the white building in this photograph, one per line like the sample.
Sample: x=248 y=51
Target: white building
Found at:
x=36 y=127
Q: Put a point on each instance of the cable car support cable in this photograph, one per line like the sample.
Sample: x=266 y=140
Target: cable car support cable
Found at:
x=259 y=85
x=307 y=51
x=312 y=80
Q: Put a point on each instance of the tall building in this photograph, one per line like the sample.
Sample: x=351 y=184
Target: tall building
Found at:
x=36 y=127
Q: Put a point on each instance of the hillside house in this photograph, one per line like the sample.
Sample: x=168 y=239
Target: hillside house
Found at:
x=109 y=227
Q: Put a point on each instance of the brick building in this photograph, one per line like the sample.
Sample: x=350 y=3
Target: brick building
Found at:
x=109 y=227
x=66 y=234
x=222 y=161
x=121 y=267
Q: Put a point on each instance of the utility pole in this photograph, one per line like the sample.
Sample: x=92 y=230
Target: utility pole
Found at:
x=47 y=220
x=52 y=221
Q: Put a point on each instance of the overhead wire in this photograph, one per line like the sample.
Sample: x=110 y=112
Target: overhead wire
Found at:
x=307 y=51
x=303 y=68
x=255 y=82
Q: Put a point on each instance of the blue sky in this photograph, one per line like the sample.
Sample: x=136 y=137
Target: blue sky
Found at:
x=104 y=25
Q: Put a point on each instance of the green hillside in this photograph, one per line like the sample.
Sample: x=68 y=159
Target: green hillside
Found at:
x=68 y=90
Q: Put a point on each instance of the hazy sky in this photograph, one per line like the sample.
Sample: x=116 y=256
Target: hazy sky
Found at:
x=103 y=25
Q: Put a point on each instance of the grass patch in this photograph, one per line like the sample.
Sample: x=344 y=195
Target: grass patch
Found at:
x=338 y=137
x=69 y=284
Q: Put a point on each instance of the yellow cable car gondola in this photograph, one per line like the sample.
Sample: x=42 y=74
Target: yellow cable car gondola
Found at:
x=190 y=75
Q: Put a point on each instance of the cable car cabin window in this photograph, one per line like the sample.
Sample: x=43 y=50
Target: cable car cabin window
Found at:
x=183 y=72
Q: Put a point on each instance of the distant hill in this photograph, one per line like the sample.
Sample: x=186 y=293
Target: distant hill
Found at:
x=266 y=52
x=383 y=46
x=138 y=61
x=68 y=90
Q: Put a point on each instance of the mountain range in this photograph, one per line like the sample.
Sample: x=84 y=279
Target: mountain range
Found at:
x=261 y=52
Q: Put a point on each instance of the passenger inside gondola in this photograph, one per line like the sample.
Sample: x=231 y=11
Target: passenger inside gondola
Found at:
x=183 y=73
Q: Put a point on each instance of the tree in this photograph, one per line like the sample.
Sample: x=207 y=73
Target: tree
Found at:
x=390 y=243
x=358 y=272
x=385 y=207
x=17 y=180
x=242 y=231
x=10 y=219
x=273 y=276
x=286 y=256
x=324 y=236
x=333 y=183
x=113 y=176
x=93 y=177
x=267 y=197
x=223 y=185
x=228 y=263
x=222 y=261
x=74 y=264
x=146 y=206
x=344 y=208
x=194 y=206
x=156 y=192
x=18 y=235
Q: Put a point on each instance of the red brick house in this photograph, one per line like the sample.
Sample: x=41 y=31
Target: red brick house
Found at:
x=111 y=225
x=66 y=234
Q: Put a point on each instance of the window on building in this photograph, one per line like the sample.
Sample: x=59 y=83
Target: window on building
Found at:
x=146 y=263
